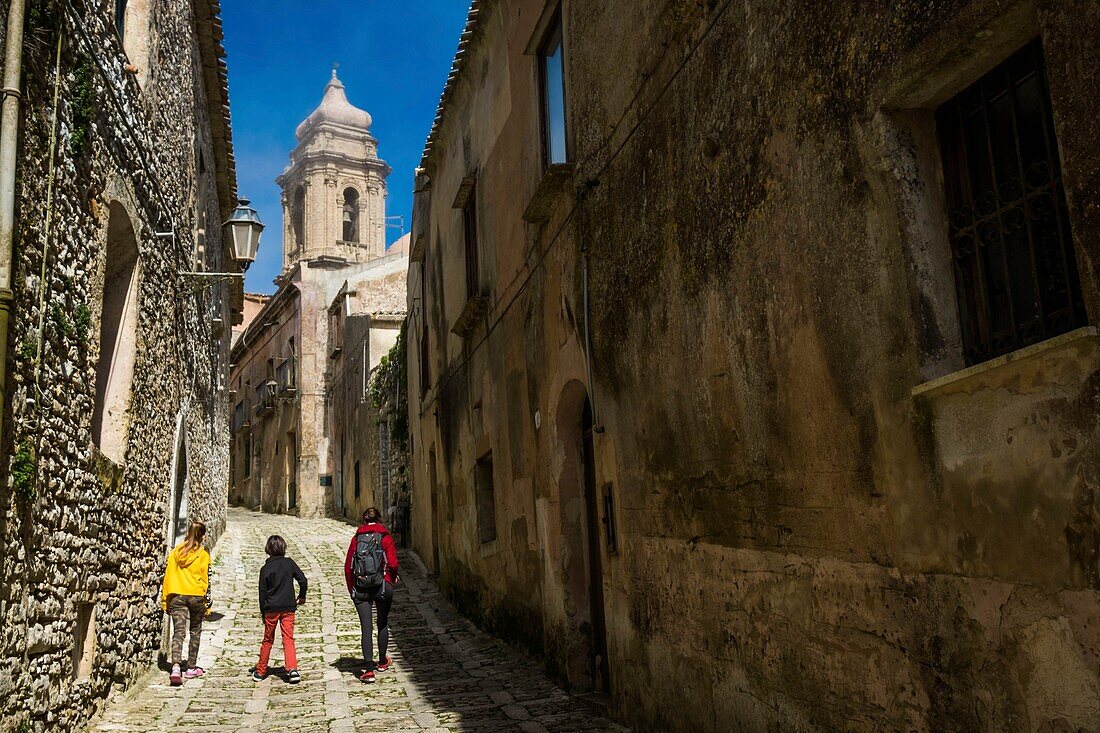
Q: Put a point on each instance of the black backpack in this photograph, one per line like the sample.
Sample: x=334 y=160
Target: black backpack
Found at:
x=368 y=565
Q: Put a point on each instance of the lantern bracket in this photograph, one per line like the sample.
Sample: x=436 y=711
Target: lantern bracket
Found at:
x=198 y=281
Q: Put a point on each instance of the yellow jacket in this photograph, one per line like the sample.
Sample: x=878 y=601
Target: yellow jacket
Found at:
x=186 y=575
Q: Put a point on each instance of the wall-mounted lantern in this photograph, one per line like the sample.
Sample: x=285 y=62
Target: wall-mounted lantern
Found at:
x=242 y=230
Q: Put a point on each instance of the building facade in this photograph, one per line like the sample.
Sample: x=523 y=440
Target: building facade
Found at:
x=116 y=433
x=335 y=268
x=366 y=316
x=753 y=364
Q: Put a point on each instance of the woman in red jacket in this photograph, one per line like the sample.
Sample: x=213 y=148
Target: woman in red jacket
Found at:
x=370 y=570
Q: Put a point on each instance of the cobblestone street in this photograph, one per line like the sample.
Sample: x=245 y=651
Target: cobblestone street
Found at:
x=447 y=676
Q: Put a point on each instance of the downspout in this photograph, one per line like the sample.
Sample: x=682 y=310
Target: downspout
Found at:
x=9 y=136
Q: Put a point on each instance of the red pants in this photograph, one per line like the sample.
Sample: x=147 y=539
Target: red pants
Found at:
x=285 y=621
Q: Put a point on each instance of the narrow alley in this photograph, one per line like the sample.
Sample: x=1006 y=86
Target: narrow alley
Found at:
x=447 y=676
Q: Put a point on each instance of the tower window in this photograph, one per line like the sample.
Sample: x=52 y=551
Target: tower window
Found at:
x=298 y=217
x=1015 y=269
x=351 y=215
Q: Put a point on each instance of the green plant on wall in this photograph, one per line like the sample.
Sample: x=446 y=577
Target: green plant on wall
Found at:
x=61 y=321
x=82 y=105
x=24 y=469
x=389 y=383
x=28 y=350
x=82 y=320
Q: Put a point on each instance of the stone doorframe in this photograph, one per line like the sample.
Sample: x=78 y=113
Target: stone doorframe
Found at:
x=180 y=452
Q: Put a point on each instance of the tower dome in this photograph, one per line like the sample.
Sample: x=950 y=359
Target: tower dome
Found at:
x=335 y=108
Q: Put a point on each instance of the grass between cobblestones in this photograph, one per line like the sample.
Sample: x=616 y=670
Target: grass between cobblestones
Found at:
x=447 y=675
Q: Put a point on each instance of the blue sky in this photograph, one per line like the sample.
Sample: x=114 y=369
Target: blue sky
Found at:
x=394 y=58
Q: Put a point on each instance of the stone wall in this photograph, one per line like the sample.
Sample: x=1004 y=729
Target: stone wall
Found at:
x=84 y=537
x=824 y=521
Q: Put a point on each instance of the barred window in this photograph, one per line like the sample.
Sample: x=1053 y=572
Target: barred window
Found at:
x=1015 y=270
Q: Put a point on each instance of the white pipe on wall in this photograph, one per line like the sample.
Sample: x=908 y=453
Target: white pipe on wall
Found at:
x=9 y=139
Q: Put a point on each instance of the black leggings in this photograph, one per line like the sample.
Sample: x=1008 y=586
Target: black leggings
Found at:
x=383 y=598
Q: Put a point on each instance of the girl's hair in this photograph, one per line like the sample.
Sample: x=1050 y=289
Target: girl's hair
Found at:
x=276 y=546
x=196 y=533
x=372 y=515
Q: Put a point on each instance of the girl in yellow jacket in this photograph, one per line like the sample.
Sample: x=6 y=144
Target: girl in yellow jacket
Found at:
x=186 y=584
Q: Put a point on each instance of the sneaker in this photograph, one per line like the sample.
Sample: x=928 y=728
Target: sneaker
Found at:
x=367 y=677
x=175 y=678
x=257 y=677
x=383 y=665
x=193 y=672
x=293 y=677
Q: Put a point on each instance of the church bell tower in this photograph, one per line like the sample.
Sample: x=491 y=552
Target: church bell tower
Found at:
x=334 y=189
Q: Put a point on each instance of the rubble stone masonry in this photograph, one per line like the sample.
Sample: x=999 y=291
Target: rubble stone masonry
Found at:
x=89 y=510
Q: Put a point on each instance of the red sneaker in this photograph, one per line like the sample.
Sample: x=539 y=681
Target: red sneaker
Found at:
x=383 y=665
x=367 y=677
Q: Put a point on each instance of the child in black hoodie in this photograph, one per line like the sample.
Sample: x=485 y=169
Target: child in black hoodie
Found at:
x=277 y=604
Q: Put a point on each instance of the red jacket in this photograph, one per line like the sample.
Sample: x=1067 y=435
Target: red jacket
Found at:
x=388 y=547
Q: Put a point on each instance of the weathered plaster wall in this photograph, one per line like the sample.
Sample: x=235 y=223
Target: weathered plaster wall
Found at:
x=78 y=530
x=814 y=533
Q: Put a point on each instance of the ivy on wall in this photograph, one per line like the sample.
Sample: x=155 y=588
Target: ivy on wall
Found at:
x=388 y=388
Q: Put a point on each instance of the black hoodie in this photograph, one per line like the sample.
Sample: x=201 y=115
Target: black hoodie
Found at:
x=277 y=578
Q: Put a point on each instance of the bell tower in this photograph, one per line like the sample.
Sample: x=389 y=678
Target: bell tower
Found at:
x=334 y=190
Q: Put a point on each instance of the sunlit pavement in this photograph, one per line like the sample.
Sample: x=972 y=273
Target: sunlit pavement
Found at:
x=447 y=676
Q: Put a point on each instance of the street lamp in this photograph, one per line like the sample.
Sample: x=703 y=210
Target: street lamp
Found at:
x=242 y=229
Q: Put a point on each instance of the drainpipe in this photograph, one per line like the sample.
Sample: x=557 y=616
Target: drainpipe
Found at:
x=9 y=135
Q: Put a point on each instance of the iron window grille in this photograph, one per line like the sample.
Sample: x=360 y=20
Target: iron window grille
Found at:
x=1015 y=270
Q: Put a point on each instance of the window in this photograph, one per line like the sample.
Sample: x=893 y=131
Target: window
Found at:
x=611 y=531
x=247 y=455
x=425 y=356
x=117 y=337
x=469 y=229
x=486 y=499
x=552 y=94
x=298 y=218
x=84 y=641
x=336 y=328
x=120 y=17
x=238 y=416
x=286 y=373
x=425 y=366
x=358 y=486
x=292 y=471
x=351 y=215
x=201 y=197
x=1015 y=270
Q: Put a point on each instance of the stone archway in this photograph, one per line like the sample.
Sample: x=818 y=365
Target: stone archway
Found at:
x=580 y=552
x=179 y=497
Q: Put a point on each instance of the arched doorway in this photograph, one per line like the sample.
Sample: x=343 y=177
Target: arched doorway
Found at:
x=582 y=557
